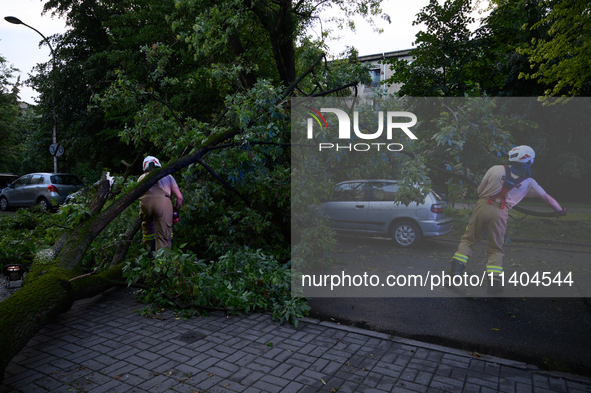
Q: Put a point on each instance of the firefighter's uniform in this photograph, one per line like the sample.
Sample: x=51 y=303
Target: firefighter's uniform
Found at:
x=492 y=213
x=156 y=214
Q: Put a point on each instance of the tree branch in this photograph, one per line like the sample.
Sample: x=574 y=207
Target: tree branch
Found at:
x=324 y=93
x=308 y=70
x=215 y=175
x=475 y=185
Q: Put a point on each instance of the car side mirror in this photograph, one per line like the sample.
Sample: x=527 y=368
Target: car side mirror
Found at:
x=11 y=186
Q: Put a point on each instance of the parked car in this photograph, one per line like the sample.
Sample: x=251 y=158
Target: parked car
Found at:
x=48 y=190
x=6 y=179
x=368 y=207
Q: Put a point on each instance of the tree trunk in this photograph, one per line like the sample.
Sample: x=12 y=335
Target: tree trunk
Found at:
x=278 y=21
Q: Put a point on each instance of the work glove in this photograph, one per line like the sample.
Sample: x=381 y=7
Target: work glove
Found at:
x=561 y=213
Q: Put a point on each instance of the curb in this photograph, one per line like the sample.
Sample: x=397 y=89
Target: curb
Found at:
x=519 y=240
x=448 y=350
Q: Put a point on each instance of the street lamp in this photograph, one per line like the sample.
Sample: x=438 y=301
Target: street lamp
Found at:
x=17 y=21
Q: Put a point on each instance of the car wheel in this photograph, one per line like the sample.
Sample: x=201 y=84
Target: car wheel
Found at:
x=43 y=204
x=4 y=204
x=406 y=234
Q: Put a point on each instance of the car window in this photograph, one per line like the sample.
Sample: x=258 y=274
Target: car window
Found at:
x=384 y=191
x=36 y=179
x=438 y=195
x=21 y=181
x=66 y=180
x=349 y=192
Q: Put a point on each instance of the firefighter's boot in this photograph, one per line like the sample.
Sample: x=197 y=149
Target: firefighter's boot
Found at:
x=457 y=267
x=494 y=286
x=458 y=264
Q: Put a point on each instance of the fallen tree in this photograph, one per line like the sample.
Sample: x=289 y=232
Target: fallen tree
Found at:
x=48 y=290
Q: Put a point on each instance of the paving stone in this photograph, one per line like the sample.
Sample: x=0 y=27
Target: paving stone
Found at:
x=282 y=382
x=477 y=365
x=455 y=361
x=245 y=360
x=423 y=378
x=573 y=385
x=487 y=382
x=267 y=387
x=356 y=376
x=422 y=365
x=411 y=386
x=515 y=374
x=507 y=386
x=251 y=377
x=459 y=374
x=318 y=365
x=443 y=370
x=311 y=378
x=166 y=366
x=523 y=388
x=470 y=388
x=292 y=387
x=215 y=370
x=109 y=387
x=409 y=374
x=202 y=361
x=389 y=370
x=557 y=385
x=446 y=384
x=159 y=383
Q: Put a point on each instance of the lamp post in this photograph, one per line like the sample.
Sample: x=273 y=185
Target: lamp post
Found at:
x=17 y=21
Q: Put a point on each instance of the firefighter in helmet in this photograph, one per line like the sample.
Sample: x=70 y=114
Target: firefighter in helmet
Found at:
x=502 y=187
x=156 y=210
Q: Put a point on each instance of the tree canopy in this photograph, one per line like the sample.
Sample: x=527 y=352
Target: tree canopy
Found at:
x=8 y=116
x=509 y=55
x=563 y=58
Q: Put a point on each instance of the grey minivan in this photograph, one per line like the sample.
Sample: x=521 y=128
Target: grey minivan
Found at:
x=48 y=190
x=368 y=207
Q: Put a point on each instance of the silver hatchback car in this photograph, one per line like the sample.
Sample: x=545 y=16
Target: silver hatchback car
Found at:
x=48 y=190
x=368 y=207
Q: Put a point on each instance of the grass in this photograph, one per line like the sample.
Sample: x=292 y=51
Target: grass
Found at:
x=571 y=228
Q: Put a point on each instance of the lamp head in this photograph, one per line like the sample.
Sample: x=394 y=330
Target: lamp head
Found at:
x=13 y=20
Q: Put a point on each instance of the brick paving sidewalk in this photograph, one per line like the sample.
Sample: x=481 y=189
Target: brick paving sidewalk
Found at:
x=103 y=346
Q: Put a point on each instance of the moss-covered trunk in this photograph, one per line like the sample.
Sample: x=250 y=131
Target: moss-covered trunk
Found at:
x=23 y=314
x=50 y=293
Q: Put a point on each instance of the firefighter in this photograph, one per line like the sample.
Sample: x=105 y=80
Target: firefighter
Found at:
x=502 y=187
x=156 y=211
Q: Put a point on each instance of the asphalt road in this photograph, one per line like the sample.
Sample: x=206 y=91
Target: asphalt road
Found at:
x=552 y=333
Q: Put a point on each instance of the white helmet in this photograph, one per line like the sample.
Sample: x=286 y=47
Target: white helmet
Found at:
x=522 y=154
x=150 y=162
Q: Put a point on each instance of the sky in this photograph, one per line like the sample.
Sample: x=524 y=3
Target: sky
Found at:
x=19 y=45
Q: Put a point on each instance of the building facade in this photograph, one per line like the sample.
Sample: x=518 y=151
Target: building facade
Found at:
x=380 y=72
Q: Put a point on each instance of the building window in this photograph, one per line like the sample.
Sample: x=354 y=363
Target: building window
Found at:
x=376 y=76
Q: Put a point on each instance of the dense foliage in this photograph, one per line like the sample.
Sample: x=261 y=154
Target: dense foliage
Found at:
x=8 y=116
x=523 y=48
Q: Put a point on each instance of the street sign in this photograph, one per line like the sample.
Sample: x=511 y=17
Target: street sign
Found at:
x=55 y=149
